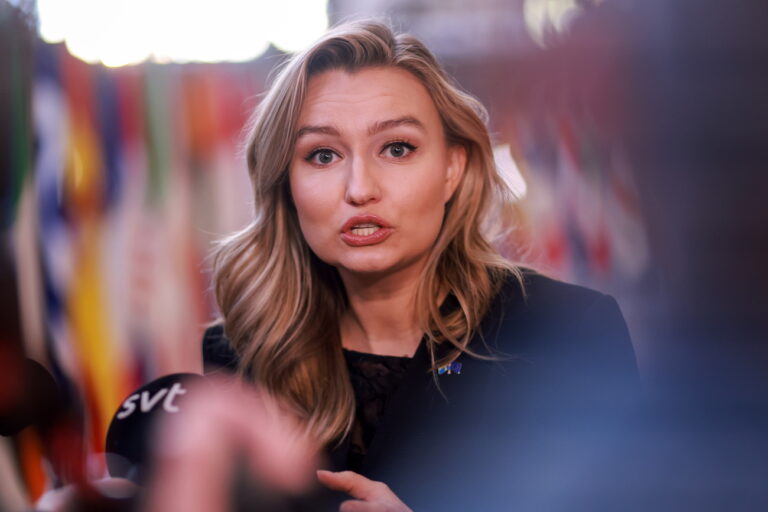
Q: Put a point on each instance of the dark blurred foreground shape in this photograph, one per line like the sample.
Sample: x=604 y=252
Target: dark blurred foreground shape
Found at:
x=699 y=147
x=700 y=97
x=701 y=84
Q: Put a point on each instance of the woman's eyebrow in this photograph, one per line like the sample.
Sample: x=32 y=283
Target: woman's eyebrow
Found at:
x=392 y=123
x=377 y=127
x=324 y=130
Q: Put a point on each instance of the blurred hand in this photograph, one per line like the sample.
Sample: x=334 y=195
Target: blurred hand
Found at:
x=197 y=450
x=371 y=496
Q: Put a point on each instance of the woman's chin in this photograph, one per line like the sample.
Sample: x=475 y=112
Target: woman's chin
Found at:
x=367 y=269
x=375 y=268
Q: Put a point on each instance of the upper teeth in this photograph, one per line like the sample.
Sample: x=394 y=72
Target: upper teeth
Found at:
x=365 y=229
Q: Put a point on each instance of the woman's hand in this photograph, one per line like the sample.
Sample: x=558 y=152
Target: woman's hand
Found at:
x=371 y=496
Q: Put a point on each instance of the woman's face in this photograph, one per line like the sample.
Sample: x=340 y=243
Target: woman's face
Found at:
x=371 y=171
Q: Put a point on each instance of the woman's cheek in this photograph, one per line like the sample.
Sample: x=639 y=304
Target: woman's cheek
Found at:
x=315 y=210
x=427 y=198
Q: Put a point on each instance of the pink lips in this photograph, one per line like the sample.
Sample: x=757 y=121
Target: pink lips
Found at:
x=358 y=240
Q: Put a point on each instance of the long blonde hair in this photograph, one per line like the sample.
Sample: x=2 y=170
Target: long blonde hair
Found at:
x=282 y=305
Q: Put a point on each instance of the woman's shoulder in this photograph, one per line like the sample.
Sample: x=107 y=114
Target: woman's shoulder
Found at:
x=218 y=353
x=537 y=312
x=531 y=292
x=576 y=332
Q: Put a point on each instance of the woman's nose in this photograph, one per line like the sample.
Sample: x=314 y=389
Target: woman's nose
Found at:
x=362 y=183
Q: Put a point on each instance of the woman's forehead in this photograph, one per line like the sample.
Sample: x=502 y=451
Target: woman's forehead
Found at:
x=368 y=97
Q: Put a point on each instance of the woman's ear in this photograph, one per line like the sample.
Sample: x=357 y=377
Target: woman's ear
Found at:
x=457 y=163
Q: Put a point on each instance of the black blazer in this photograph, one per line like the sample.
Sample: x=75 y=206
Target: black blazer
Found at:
x=538 y=427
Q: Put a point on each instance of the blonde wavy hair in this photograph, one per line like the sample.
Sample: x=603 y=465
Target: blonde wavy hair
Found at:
x=282 y=305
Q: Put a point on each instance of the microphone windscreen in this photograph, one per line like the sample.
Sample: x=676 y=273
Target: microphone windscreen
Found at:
x=130 y=433
x=33 y=398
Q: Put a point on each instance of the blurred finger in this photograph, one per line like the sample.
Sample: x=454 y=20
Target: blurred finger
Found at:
x=197 y=450
x=357 y=506
x=354 y=484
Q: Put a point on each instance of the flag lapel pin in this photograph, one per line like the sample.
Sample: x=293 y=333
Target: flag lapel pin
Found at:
x=454 y=367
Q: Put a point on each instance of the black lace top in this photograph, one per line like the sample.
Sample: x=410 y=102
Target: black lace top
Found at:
x=374 y=379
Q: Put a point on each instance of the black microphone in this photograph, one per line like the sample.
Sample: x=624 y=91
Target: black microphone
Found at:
x=31 y=398
x=130 y=433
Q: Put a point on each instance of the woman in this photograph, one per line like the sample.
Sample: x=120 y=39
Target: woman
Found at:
x=367 y=294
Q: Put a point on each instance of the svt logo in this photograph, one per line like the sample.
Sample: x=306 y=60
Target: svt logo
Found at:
x=148 y=402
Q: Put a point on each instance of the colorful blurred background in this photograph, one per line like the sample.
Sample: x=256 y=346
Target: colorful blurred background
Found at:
x=634 y=134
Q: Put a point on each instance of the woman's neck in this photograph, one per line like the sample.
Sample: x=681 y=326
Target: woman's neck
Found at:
x=381 y=318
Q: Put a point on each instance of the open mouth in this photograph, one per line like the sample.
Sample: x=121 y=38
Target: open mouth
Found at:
x=366 y=229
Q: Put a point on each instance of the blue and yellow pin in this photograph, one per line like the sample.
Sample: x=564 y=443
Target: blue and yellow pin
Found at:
x=454 y=367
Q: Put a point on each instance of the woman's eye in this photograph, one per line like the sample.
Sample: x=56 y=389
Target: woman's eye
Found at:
x=398 y=149
x=321 y=156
